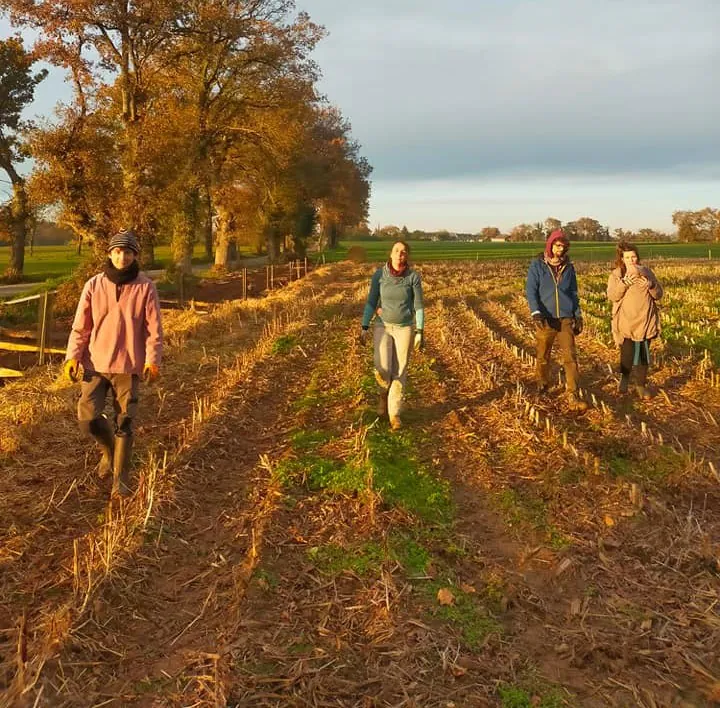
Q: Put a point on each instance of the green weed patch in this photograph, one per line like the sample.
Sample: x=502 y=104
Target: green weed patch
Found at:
x=333 y=560
x=403 y=481
x=322 y=473
x=522 y=509
x=283 y=344
x=413 y=557
x=466 y=613
x=516 y=697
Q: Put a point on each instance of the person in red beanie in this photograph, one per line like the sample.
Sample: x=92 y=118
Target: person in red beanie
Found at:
x=117 y=338
x=552 y=295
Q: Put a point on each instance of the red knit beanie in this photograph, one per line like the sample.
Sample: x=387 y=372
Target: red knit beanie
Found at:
x=557 y=235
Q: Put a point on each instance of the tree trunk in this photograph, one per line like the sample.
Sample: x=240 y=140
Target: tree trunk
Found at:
x=208 y=222
x=18 y=229
x=183 y=236
x=272 y=243
x=223 y=239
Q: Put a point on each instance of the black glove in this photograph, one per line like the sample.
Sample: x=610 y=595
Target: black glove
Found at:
x=364 y=336
x=578 y=326
x=419 y=343
x=538 y=319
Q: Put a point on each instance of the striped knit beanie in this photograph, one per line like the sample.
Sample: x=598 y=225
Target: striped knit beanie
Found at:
x=124 y=238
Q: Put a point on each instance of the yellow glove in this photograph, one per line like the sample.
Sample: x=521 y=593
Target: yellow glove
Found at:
x=150 y=372
x=71 y=369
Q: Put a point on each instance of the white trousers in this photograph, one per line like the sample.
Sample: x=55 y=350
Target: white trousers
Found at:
x=392 y=355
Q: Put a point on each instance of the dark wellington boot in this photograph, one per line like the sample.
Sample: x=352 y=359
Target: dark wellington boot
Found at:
x=624 y=383
x=102 y=431
x=123 y=454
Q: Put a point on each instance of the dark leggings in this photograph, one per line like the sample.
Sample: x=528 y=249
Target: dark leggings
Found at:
x=631 y=352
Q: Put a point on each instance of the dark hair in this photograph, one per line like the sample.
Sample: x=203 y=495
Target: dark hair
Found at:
x=404 y=243
x=623 y=247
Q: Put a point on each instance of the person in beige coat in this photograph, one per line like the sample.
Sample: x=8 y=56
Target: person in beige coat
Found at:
x=634 y=291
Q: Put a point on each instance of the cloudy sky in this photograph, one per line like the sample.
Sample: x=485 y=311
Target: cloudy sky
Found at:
x=490 y=112
x=497 y=112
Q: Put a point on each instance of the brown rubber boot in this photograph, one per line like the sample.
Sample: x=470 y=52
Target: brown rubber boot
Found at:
x=122 y=458
x=575 y=402
x=381 y=382
x=641 y=388
x=643 y=392
x=382 y=407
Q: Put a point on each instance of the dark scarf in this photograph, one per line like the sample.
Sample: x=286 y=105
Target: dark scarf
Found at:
x=120 y=277
x=396 y=273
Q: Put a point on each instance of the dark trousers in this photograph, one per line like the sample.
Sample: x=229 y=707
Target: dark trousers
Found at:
x=123 y=389
x=545 y=335
x=627 y=359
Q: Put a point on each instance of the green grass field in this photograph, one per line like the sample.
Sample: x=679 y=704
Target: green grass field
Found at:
x=423 y=251
x=51 y=262
x=57 y=261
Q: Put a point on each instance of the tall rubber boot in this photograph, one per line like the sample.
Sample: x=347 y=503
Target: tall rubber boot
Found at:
x=641 y=370
x=121 y=476
x=101 y=430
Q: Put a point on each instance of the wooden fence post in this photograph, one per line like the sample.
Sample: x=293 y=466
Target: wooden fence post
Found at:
x=43 y=318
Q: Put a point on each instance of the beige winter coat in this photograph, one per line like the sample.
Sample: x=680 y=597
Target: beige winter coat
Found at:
x=635 y=313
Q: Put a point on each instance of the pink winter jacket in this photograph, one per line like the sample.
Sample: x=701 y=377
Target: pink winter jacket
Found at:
x=117 y=336
x=635 y=315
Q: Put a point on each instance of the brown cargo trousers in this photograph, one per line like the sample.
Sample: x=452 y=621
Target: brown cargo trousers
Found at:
x=545 y=335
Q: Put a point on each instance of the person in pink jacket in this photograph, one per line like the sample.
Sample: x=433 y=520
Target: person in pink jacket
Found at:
x=116 y=337
x=634 y=291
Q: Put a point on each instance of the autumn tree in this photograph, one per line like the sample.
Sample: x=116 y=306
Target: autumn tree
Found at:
x=230 y=62
x=551 y=224
x=489 y=233
x=113 y=37
x=17 y=86
x=344 y=193
x=528 y=232
x=586 y=229
x=702 y=225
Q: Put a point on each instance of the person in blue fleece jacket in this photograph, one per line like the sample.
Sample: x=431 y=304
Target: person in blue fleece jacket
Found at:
x=396 y=301
x=552 y=295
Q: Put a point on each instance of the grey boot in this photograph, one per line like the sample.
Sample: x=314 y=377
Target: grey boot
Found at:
x=123 y=454
x=101 y=430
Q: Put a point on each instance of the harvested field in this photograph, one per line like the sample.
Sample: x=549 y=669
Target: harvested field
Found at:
x=284 y=548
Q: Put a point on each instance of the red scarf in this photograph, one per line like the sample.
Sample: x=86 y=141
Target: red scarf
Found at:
x=397 y=273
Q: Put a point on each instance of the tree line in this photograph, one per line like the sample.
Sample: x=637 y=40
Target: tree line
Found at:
x=692 y=226
x=583 y=229
x=190 y=121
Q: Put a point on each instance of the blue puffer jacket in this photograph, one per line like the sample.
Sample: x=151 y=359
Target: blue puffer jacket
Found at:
x=549 y=296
